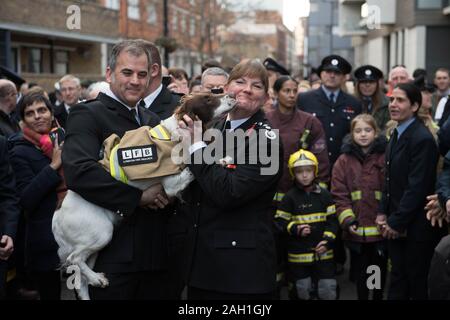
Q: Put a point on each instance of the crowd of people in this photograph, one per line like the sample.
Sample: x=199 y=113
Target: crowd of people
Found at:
x=362 y=166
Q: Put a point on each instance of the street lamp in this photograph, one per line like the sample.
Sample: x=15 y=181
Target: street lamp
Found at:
x=166 y=31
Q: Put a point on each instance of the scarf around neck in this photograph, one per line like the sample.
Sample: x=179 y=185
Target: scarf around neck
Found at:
x=45 y=145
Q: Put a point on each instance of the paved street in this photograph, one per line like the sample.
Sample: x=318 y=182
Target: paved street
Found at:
x=348 y=290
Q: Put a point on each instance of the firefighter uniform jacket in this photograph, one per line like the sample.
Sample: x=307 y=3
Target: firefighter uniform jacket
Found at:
x=230 y=243
x=300 y=130
x=314 y=208
x=356 y=186
x=335 y=117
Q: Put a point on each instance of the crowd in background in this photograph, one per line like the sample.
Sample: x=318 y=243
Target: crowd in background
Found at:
x=363 y=154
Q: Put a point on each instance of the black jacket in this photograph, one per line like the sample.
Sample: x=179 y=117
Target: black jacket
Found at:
x=8 y=125
x=139 y=242
x=335 y=118
x=230 y=244
x=315 y=208
x=165 y=103
x=61 y=114
x=36 y=185
x=444 y=137
x=443 y=188
x=9 y=202
x=410 y=177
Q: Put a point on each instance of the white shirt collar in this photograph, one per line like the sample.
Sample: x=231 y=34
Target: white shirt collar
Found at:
x=152 y=96
x=110 y=94
x=67 y=107
x=236 y=123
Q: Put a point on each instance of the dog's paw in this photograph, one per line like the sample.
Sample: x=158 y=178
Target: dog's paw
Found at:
x=99 y=280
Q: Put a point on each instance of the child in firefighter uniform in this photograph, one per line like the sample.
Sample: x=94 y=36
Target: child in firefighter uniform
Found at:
x=307 y=215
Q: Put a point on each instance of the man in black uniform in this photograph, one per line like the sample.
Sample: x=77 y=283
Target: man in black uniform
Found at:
x=157 y=98
x=333 y=107
x=135 y=261
x=9 y=213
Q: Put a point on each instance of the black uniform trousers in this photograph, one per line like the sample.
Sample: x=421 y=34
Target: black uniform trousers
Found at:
x=144 y=285
x=410 y=264
x=3 y=273
x=48 y=284
x=367 y=254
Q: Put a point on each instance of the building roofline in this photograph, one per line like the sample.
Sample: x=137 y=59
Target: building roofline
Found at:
x=72 y=35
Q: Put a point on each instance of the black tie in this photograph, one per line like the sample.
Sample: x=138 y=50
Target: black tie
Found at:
x=135 y=115
x=142 y=103
x=331 y=97
x=227 y=125
x=394 y=140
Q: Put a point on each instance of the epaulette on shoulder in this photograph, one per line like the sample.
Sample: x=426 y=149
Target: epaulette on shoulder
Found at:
x=88 y=101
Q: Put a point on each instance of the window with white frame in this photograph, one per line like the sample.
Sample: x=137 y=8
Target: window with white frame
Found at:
x=112 y=4
x=183 y=23
x=429 y=4
x=175 y=21
x=192 y=27
x=61 y=62
x=15 y=59
x=151 y=14
x=34 y=60
x=133 y=9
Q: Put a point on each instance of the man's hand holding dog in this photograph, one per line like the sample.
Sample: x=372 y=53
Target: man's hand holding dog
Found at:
x=6 y=247
x=154 y=198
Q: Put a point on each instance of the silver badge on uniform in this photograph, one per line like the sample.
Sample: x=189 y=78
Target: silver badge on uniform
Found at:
x=270 y=134
x=334 y=62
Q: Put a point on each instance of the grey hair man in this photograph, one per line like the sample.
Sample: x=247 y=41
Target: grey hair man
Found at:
x=94 y=89
x=398 y=75
x=70 y=89
x=213 y=78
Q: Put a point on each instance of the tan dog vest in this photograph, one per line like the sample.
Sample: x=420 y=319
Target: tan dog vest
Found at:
x=140 y=154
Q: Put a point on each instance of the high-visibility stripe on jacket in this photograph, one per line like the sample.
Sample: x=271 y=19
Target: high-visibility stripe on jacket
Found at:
x=160 y=132
x=348 y=213
x=356 y=185
x=309 y=257
x=357 y=195
x=115 y=169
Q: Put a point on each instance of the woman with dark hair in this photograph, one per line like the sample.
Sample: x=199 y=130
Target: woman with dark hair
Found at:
x=298 y=130
x=368 y=91
x=411 y=159
x=180 y=81
x=36 y=160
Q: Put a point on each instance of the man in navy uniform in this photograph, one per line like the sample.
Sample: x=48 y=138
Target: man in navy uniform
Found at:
x=334 y=108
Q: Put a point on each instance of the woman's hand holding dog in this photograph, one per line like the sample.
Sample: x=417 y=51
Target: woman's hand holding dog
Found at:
x=190 y=130
x=154 y=198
